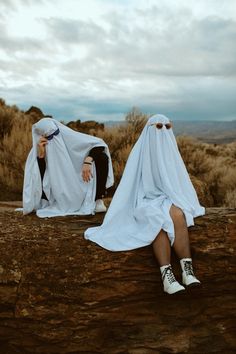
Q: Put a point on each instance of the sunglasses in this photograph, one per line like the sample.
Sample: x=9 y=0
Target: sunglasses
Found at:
x=50 y=137
x=160 y=125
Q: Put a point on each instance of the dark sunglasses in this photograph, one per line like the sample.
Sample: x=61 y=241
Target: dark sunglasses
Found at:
x=50 y=137
x=160 y=125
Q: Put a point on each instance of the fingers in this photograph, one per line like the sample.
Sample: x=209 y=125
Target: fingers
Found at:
x=43 y=141
x=86 y=177
x=87 y=174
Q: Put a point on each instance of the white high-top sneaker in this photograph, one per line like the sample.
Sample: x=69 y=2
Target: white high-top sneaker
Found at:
x=171 y=285
x=100 y=206
x=188 y=277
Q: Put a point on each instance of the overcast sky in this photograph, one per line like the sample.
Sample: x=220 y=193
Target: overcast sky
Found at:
x=96 y=59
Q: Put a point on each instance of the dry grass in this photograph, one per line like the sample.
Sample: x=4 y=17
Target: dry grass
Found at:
x=212 y=168
x=14 y=147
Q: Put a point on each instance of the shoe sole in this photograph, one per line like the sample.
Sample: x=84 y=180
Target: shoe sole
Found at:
x=193 y=285
x=177 y=292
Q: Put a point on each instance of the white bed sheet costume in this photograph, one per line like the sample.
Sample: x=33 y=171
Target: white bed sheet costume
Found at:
x=155 y=177
x=63 y=184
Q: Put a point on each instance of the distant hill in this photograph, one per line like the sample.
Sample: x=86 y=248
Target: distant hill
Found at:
x=111 y=123
x=218 y=132
x=214 y=132
x=208 y=131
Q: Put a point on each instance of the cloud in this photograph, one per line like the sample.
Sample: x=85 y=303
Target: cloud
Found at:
x=13 y=5
x=68 y=31
x=177 y=58
x=7 y=4
x=192 y=100
x=185 y=48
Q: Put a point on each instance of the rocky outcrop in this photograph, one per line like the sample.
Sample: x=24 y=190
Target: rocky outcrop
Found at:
x=36 y=112
x=60 y=293
x=87 y=127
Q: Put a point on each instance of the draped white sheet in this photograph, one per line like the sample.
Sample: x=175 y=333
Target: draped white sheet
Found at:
x=154 y=178
x=63 y=185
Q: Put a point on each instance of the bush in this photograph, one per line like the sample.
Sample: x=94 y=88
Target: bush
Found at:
x=212 y=168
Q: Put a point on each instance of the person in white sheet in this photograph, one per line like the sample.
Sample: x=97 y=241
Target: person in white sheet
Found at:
x=155 y=203
x=66 y=172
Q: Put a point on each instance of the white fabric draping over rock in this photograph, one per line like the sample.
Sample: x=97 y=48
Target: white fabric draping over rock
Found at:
x=154 y=178
x=63 y=184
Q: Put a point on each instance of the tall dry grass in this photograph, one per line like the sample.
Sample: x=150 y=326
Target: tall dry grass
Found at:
x=212 y=168
x=15 y=144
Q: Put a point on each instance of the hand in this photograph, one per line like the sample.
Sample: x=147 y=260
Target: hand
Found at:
x=41 y=147
x=87 y=172
x=87 y=169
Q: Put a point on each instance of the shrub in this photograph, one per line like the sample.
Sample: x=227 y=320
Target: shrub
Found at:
x=212 y=168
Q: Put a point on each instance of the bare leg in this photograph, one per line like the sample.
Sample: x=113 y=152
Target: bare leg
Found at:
x=162 y=251
x=161 y=248
x=182 y=247
x=181 y=243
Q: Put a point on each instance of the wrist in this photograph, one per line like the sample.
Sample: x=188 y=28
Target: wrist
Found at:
x=41 y=156
x=88 y=160
x=41 y=153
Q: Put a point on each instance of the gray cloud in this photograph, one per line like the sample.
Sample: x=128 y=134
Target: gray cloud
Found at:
x=7 y=4
x=189 y=48
x=194 y=101
x=69 y=31
x=158 y=58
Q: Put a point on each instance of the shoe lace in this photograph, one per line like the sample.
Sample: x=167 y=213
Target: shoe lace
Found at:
x=188 y=267
x=170 y=275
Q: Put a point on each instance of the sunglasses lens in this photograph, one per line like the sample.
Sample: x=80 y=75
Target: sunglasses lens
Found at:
x=159 y=125
x=168 y=126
